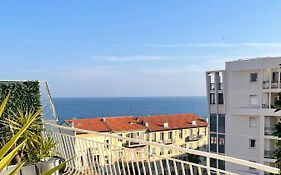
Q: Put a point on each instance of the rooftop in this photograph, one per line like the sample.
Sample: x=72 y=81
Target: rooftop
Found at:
x=142 y=123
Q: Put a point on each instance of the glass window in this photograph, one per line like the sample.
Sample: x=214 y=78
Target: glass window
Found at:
x=252 y=143
x=120 y=135
x=213 y=123
x=170 y=135
x=213 y=142
x=221 y=143
x=180 y=134
x=253 y=77
x=212 y=98
x=161 y=136
x=221 y=164
x=213 y=163
x=220 y=98
x=221 y=123
x=252 y=122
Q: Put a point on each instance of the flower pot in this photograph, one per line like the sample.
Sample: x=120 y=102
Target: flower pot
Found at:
x=8 y=169
x=49 y=164
x=30 y=169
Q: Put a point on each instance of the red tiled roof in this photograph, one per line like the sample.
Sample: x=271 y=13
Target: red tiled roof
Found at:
x=130 y=123
x=175 y=121
x=92 y=124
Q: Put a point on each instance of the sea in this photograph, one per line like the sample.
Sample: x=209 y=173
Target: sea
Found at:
x=90 y=107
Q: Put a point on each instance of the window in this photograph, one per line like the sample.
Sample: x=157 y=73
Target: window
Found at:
x=253 y=77
x=120 y=135
x=220 y=98
x=221 y=143
x=161 y=136
x=253 y=100
x=221 y=164
x=180 y=134
x=252 y=122
x=170 y=135
x=213 y=142
x=252 y=143
x=212 y=98
x=213 y=123
x=221 y=123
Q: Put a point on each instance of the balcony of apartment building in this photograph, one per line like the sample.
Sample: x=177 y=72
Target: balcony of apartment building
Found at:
x=111 y=159
x=131 y=144
x=269 y=125
x=271 y=79
x=215 y=81
x=269 y=148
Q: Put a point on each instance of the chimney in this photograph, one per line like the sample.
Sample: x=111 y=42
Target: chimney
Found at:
x=194 y=122
x=103 y=119
x=146 y=124
x=166 y=125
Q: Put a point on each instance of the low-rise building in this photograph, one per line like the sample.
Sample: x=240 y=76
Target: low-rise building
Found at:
x=184 y=130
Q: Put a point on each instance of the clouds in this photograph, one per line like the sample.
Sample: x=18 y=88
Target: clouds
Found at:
x=215 y=45
x=130 y=58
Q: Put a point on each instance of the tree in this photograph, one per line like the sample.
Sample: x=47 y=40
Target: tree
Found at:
x=277 y=133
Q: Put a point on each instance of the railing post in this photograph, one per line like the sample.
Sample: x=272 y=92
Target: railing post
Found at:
x=208 y=165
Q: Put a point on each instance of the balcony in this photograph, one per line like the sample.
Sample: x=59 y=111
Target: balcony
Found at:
x=212 y=86
x=274 y=84
x=169 y=141
x=93 y=156
x=269 y=130
x=268 y=154
x=265 y=84
x=129 y=144
x=220 y=86
x=193 y=138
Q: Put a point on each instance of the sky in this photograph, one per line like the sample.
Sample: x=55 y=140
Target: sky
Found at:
x=114 y=48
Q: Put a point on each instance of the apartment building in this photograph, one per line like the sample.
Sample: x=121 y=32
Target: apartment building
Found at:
x=184 y=130
x=241 y=111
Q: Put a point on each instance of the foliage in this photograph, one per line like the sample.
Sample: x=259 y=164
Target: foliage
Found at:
x=193 y=158
x=8 y=151
x=33 y=134
x=277 y=103
x=6 y=154
x=23 y=95
x=43 y=149
x=277 y=152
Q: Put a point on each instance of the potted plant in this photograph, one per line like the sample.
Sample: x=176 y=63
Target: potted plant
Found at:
x=11 y=149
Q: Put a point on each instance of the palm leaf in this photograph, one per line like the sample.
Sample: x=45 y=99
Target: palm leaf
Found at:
x=3 y=104
x=7 y=146
x=17 y=169
x=7 y=159
x=51 y=171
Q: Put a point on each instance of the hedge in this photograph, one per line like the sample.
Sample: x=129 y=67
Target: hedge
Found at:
x=24 y=95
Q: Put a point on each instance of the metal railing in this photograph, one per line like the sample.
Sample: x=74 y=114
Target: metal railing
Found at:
x=99 y=154
x=212 y=86
x=268 y=154
x=269 y=130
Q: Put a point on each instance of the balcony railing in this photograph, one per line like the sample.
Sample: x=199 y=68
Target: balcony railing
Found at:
x=270 y=84
x=212 y=86
x=274 y=84
x=97 y=154
x=265 y=84
x=268 y=154
x=220 y=86
x=269 y=130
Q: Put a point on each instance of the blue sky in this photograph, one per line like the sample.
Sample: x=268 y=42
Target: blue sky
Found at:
x=132 y=48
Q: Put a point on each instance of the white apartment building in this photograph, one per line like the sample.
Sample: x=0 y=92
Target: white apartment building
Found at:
x=241 y=111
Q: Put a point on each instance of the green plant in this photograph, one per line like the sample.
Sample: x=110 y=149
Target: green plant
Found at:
x=43 y=149
x=24 y=95
x=277 y=152
x=33 y=134
x=8 y=151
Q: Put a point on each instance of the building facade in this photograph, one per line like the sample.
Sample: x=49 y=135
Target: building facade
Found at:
x=241 y=110
x=183 y=130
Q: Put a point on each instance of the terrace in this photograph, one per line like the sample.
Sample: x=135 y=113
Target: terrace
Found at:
x=95 y=153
